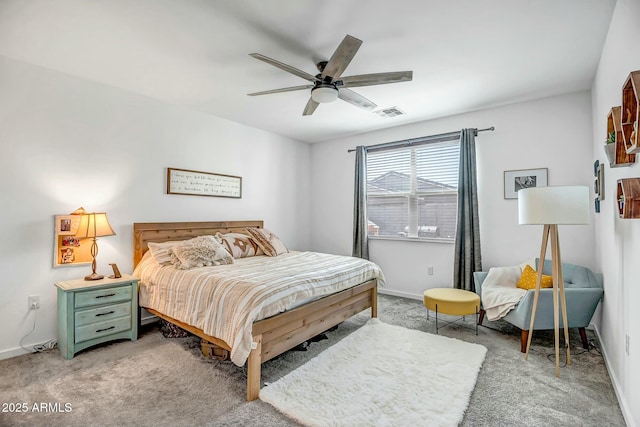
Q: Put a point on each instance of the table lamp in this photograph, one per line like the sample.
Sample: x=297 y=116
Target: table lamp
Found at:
x=94 y=225
x=553 y=206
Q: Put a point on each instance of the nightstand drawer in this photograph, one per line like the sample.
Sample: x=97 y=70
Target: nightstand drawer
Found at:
x=102 y=314
x=103 y=296
x=100 y=329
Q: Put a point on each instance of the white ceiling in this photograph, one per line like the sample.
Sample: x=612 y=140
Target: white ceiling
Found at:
x=465 y=54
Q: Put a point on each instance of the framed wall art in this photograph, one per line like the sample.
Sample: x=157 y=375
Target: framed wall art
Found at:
x=196 y=183
x=516 y=180
x=598 y=184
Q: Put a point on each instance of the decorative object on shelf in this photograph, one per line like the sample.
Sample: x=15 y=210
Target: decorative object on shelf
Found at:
x=610 y=152
x=628 y=198
x=516 y=180
x=195 y=183
x=68 y=249
x=116 y=272
x=631 y=112
x=614 y=145
x=551 y=206
x=94 y=225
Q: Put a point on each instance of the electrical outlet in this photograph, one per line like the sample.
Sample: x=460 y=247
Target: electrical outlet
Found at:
x=34 y=302
x=430 y=270
x=626 y=344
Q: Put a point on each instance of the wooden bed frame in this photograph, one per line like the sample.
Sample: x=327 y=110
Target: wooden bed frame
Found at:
x=274 y=335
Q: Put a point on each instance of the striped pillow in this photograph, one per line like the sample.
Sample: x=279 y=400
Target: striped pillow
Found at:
x=162 y=251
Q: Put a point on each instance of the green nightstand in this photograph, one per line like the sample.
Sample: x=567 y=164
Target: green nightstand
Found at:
x=94 y=312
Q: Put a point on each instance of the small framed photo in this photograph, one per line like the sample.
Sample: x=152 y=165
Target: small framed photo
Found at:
x=516 y=180
x=67 y=256
x=70 y=241
x=67 y=225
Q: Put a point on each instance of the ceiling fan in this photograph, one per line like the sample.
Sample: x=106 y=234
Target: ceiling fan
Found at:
x=328 y=85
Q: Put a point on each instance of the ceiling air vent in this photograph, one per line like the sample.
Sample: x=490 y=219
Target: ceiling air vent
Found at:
x=389 y=112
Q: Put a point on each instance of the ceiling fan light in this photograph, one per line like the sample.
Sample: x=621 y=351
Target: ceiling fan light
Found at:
x=324 y=94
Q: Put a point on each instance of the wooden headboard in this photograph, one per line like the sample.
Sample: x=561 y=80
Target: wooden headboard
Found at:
x=145 y=232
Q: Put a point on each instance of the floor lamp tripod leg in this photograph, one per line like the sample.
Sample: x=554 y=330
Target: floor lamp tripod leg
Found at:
x=564 y=319
x=556 y=274
x=556 y=333
x=563 y=302
x=536 y=295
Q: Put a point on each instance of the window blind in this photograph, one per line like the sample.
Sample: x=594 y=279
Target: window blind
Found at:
x=412 y=191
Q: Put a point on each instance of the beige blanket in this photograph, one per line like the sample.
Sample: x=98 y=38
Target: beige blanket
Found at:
x=499 y=291
x=225 y=300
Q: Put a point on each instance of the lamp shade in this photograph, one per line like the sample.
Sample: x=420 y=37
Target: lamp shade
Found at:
x=94 y=224
x=554 y=205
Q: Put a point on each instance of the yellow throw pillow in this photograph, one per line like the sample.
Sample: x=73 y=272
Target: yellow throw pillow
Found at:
x=529 y=277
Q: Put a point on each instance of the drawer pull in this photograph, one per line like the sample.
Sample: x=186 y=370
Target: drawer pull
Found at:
x=104 y=314
x=105 y=329
x=106 y=296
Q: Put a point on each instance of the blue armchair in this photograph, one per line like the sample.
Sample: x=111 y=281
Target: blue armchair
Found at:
x=583 y=292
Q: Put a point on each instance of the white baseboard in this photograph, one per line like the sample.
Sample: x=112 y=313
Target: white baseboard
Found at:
x=19 y=351
x=382 y=290
x=624 y=407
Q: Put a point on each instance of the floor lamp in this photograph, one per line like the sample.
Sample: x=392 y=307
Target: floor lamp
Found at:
x=552 y=206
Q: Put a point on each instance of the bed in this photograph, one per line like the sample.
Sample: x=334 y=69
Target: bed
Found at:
x=273 y=335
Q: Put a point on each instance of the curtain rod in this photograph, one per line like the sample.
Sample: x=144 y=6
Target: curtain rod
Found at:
x=424 y=139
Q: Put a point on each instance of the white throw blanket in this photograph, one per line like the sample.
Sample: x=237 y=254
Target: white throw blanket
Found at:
x=499 y=291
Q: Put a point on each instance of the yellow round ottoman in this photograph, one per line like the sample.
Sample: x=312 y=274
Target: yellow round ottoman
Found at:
x=457 y=302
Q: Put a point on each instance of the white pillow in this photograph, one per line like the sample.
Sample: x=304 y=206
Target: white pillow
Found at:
x=162 y=251
x=201 y=251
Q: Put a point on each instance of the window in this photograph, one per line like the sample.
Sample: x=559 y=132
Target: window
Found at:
x=412 y=191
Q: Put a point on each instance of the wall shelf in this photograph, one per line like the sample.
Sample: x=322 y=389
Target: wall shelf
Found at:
x=619 y=157
x=628 y=198
x=631 y=112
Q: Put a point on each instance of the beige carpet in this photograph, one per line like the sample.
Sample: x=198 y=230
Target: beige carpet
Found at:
x=165 y=382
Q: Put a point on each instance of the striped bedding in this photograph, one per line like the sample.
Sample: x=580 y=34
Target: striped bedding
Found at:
x=225 y=300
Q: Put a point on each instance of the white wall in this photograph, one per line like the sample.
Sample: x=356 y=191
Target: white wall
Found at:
x=553 y=133
x=618 y=240
x=68 y=143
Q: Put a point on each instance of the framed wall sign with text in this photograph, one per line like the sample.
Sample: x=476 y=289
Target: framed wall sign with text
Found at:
x=196 y=183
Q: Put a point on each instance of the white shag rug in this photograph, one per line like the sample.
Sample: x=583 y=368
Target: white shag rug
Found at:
x=382 y=375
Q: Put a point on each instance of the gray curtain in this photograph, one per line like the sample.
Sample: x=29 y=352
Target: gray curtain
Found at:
x=360 y=226
x=467 y=244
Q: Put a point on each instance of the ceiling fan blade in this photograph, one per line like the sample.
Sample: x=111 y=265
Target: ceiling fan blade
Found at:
x=285 y=67
x=356 y=99
x=310 y=107
x=377 y=79
x=341 y=57
x=285 y=89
